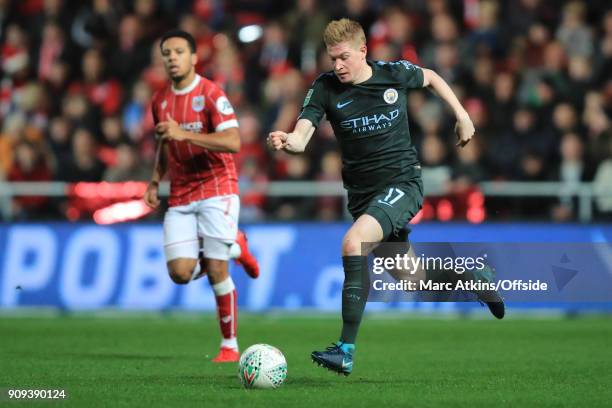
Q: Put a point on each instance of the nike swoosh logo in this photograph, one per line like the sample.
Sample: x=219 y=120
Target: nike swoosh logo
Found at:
x=342 y=105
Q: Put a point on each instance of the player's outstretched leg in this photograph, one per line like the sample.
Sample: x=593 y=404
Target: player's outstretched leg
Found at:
x=246 y=258
x=491 y=298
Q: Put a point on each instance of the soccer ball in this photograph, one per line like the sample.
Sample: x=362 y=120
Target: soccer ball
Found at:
x=262 y=366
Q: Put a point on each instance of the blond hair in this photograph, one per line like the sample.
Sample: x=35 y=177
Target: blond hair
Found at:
x=344 y=29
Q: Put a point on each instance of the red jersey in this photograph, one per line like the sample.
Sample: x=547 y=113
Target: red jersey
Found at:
x=195 y=172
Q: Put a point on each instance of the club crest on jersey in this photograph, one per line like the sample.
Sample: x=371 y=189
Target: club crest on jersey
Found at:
x=390 y=96
x=164 y=104
x=197 y=103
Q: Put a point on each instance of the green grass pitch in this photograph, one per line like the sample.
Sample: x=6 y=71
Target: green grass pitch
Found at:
x=157 y=361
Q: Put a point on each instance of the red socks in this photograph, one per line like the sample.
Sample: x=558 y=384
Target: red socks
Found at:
x=227 y=309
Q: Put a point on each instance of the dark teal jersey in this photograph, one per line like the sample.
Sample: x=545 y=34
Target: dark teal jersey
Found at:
x=370 y=122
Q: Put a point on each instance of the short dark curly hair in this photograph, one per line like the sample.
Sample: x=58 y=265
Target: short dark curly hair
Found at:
x=180 y=34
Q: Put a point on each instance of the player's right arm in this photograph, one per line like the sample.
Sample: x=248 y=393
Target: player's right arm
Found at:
x=151 y=195
x=294 y=142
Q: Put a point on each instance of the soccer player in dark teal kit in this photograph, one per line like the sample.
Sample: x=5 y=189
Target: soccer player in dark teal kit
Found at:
x=365 y=103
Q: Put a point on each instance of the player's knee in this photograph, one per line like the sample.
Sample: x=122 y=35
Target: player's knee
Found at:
x=180 y=270
x=180 y=276
x=217 y=269
x=351 y=245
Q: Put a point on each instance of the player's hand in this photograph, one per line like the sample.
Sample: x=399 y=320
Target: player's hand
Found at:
x=277 y=140
x=151 y=196
x=170 y=129
x=464 y=128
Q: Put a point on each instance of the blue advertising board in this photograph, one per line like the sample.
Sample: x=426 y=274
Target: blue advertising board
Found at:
x=86 y=266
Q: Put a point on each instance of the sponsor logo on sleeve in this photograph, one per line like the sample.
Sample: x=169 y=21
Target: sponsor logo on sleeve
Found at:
x=308 y=96
x=224 y=106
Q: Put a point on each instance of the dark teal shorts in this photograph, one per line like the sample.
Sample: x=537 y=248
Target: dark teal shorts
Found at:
x=392 y=206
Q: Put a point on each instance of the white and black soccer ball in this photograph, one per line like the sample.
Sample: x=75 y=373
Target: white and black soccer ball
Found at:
x=262 y=366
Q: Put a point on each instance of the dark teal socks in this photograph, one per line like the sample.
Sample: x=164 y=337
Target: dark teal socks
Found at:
x=354 y=296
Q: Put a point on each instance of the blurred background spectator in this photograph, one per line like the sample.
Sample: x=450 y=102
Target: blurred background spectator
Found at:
x=76 y=80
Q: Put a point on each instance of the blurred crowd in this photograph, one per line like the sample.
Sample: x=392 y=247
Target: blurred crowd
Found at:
x=535 y=76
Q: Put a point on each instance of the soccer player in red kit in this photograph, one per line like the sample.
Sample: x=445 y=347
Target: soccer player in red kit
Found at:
x=198 y=133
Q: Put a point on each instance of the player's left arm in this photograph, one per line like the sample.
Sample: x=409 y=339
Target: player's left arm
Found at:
x=464 y=128
x=224 y=141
